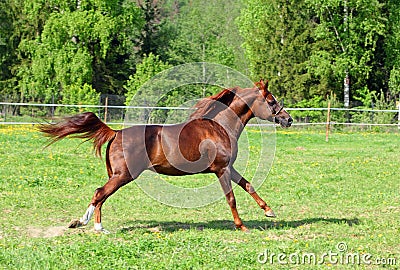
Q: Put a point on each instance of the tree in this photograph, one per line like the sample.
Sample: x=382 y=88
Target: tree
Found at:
x=206 y=33
x=20 y=21
x=150 y=34
x=80 y=95
x=7 y=47
x=278 y=42
x=392 y=48
x=48 y=49
x=143 y=90
x=347 y=34
x=87 y=43
x=151 y=65
x=307 y=47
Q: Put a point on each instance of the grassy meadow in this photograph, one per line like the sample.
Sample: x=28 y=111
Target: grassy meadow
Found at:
x=337 y=206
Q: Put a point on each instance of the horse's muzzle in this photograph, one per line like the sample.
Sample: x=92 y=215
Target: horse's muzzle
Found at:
x=284 y=122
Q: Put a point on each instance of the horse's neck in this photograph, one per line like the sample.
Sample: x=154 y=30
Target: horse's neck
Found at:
x=234 y=119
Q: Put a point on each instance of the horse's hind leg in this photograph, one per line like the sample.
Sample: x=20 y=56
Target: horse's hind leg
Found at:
x=99 y=197
x=241 y=181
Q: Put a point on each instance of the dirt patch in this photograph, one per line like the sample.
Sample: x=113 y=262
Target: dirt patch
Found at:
x=46 y=232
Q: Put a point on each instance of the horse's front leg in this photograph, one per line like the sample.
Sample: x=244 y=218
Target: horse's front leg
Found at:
x=225 y=181
x=241 y=181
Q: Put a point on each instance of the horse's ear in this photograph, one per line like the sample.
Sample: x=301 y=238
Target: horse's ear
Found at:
x=263 y=86
x=266 y=86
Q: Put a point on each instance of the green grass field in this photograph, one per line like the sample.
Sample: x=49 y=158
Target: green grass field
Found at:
x=338 y=206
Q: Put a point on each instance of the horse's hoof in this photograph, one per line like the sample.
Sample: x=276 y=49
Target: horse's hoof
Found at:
x=76 y=223
x=243 y=228
x=270 y=213
x=103 y=231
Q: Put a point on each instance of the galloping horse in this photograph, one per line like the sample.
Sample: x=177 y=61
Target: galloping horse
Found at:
x=206 y=143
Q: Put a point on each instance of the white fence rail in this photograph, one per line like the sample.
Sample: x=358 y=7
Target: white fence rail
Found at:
x=31 y=113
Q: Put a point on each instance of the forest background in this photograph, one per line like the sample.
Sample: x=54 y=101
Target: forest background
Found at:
x=74 y=51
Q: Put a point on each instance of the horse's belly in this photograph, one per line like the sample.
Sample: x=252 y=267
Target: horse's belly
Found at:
x=168 y=171
x=181 y=168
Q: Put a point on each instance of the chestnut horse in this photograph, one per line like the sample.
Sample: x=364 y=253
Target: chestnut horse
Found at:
x=205 y=143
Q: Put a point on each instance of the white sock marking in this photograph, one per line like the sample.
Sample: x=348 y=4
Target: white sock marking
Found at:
x=88 y=215
x=98 y=226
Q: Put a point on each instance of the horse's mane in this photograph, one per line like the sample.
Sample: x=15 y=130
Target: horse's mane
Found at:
x=209 y=107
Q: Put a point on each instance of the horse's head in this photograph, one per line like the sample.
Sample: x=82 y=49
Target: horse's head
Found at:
x=259 y=100
x=266 y=107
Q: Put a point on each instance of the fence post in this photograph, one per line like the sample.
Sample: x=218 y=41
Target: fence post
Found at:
x=5 y=113
x=5 y=110
x=398 y=115
x=106 y=110
x=52 y=108
x=328 y=122
x=372 y=112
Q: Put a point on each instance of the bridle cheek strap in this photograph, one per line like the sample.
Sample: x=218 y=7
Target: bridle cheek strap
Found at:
x=275 y=114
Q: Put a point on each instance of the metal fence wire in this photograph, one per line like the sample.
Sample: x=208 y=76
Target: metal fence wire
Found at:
x=31 y=113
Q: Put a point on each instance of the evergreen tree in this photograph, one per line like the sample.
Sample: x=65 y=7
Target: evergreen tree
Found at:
x=7 y=48
x=392 y=48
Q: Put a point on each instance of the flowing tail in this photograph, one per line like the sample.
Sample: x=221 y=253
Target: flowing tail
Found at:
x=85 y=126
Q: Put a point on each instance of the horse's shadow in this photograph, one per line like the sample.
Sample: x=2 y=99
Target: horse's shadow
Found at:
x=172 y=226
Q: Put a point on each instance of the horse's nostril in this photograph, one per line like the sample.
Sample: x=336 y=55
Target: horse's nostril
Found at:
x=290 y=120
